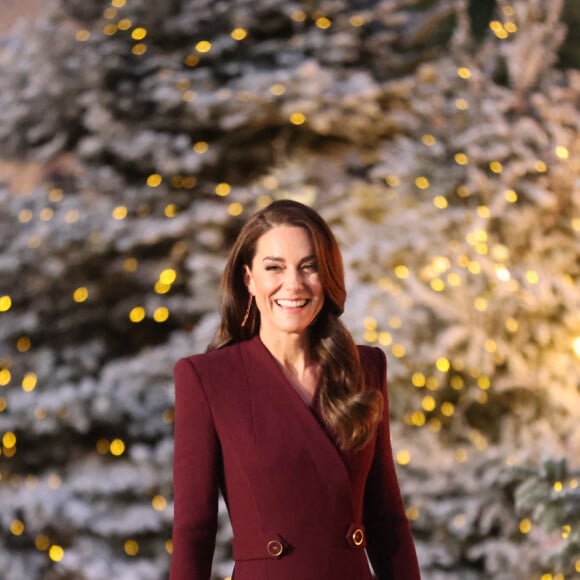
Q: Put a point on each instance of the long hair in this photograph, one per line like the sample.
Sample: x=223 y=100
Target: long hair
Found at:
x=350 y=409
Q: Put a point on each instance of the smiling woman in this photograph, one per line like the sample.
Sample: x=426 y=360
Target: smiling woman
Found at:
x=289 y=418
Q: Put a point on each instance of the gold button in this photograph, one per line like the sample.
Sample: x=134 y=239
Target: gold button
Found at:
x=358 y=537
x=275 y=548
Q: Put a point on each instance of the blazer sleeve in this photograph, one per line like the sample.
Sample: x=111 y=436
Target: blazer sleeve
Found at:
x=196 y=465
x=390 y=544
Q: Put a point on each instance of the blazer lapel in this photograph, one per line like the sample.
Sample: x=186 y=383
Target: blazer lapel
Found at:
x=285 y=426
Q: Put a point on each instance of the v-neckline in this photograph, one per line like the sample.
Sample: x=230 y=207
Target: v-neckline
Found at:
x=312 y=402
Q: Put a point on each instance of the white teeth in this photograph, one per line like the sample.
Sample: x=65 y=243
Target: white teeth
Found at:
x=291 y=303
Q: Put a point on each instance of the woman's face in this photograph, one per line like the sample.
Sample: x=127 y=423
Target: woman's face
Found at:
x=284 y=280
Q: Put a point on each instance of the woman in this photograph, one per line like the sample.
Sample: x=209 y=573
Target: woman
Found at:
x=289 y=418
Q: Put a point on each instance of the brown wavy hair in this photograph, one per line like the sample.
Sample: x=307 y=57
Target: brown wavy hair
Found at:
x=349 y=408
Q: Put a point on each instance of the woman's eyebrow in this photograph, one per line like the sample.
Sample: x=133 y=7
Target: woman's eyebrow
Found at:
x=279 y=259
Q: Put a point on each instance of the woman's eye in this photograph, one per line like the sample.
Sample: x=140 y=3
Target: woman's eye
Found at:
x=310 y=267
x=269 y=268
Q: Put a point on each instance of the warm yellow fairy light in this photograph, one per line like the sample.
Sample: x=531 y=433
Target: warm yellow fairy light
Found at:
x=575 y=346
x=456 y=382
x=201 y=147
x=484 y=382
x=154 y=180
x=495 y=167
x=29 y=382
x=278 y=89
x=413 y=513
x=168 y=276
x=5 y=303
x=110 y=29
x=463 y=72
x=453 y=279
x=428 y=403
x=9 y=440
x=159 y=503
x=418 y=380
x=25 y=216
x=443 y=364
x=511 y=27
x=137 y=314
x=323 y=22
x=81 y=294
x=562 y=152
x=72 y=216
x=403 y=457
x=170 y=210
x=56 y=553
x=223 y=189
x=392 y=180
x=161 y=314
x=16 y=527
x=139 y=33
x=483 y=211
x=525 y=526
x=401 y=271
x=23 y=344
x=110 y=13
x=117 y=447
x=480 y=304
x=83 y=35
x=422 y=182
x=437 y=284
x=461 y=104
x=461 y=455
x=418 y=419
x=3 y=405
x=429 y=140
x=461 y=159
x=130 y=264
x=558 y=486
x=55 y=195
x=297 y=118
x=131 y=547
x=385 y=338
x=203 y=46
x=239 y=34
x=120 y=212
x=139 y=49
x=41 y=542
x=298 y=16
x=191 y=60
x=103 y=446
x=398 y=350
x=235 y=209
x=118 y=3
x=532 y=277
x=540 y=166
x=124 y=24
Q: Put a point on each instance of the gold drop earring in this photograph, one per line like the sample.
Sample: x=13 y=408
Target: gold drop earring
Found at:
x=248 y=309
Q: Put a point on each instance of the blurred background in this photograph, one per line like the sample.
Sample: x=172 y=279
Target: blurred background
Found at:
x=439 y=138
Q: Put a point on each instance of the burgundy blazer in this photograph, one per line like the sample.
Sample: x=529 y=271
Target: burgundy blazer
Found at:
x=300 y=509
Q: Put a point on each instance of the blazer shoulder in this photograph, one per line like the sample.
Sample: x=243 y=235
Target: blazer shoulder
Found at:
x=374 y=365
x=371 y=356
x=212 y=356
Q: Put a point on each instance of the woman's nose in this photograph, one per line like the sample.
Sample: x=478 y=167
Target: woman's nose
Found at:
x=293 y=278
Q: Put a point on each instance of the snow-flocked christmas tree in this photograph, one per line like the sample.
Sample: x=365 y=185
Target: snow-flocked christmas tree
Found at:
x=439 y=138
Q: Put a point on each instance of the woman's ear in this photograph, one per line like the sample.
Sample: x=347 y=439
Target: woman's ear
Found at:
x=248 y=281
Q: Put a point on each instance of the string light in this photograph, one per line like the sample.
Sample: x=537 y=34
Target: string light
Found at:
x=297 y=118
